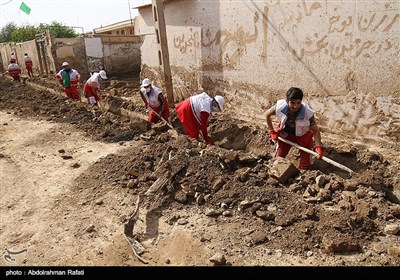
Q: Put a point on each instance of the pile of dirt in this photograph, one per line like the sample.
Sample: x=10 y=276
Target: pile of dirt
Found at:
x=243 y=212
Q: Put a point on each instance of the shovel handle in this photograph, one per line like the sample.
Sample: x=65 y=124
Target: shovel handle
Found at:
x=317 y=155
x=164 y=120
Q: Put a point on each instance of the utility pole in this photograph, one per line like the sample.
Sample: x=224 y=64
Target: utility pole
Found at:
x=130 y=13
x=163 y=54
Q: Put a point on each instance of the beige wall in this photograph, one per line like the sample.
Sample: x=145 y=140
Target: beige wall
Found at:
x=71 y=50
x=116 y=54
x=20 y=49
x=121 y=53
x=344 y=55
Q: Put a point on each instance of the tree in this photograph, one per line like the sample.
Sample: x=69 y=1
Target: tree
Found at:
x=24 y=33
x=58 y=30
x=12 y=33
x=6 y=31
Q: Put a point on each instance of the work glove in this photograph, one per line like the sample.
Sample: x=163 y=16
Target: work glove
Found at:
x=318 y=149
x=274 y=134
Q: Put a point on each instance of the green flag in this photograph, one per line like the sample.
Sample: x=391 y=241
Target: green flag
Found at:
x=25 y=8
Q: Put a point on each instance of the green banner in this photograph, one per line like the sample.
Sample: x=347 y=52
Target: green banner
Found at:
x=25 y=8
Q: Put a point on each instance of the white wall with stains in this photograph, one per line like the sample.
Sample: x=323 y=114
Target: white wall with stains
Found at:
x=345 y=55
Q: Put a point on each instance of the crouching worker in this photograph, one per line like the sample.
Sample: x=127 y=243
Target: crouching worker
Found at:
x=14 y=70
x=195 y=112
x=296 y=123
x=92 y=87
x=153 y=97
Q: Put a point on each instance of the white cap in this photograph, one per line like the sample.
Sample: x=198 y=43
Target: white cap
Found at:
x=65 y=64
x=146 y=82
x=220 y=101
x=103 y=74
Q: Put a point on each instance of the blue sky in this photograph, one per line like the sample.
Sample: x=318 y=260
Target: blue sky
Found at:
x=87 y=14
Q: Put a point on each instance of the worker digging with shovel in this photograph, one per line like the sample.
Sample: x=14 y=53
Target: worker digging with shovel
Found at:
x=297 y=124
x=153 y=98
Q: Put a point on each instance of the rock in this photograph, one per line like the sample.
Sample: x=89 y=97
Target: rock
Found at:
x=350 y=186
x=224 y=206
x=212 y=213
x=90 y=228
x=265 y=215
x=230 y=155
x=218 y=259
x=282 y=169
x=76 y=165
x=339 y=245
x=320 y=181
x=394 y=251
x=247 y=203
x=218 y=183
x=180 y=197
x=258 y=237
x=296 y=187
x=283 y=220
x=99 y=201
x=243 y=174
x=395 y=211
x=227 y=213
x=132 y=183
x=66 y=157
x=392 y=229
x=182 y=221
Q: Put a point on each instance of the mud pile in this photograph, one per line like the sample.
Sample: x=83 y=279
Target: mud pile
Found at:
x=322 y=211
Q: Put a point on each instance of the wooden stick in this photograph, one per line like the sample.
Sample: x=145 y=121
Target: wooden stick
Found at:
x=130 y=242
x=158 y=115
x=316 y=154
x=128 y=231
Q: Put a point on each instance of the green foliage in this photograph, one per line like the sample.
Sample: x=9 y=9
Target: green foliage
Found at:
x=12 y=33
x=24 y=33
x=58 y=30
x=6 y=31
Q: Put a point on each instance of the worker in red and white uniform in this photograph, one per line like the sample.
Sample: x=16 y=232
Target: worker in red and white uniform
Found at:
x=297 y=123
x=93 y=85
x=69 y=79
x=14 y=70
x=13 y=57
x=28 y=64
x=152 y=96
x=195 y=113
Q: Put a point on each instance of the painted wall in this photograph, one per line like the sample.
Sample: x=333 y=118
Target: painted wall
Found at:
x=343 y=54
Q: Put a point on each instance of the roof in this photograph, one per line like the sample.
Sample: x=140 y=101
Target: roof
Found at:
x=110 y=27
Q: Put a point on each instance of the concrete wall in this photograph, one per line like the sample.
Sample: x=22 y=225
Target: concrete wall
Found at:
x=115 y=54
x=20 y=49
x=121 y=53
x=343 y=54
x=71 y=50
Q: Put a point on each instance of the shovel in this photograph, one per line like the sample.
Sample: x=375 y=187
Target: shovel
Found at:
x=317 y=155
x=165 y=121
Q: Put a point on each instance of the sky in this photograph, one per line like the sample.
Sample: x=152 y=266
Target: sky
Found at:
x=84 y=14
